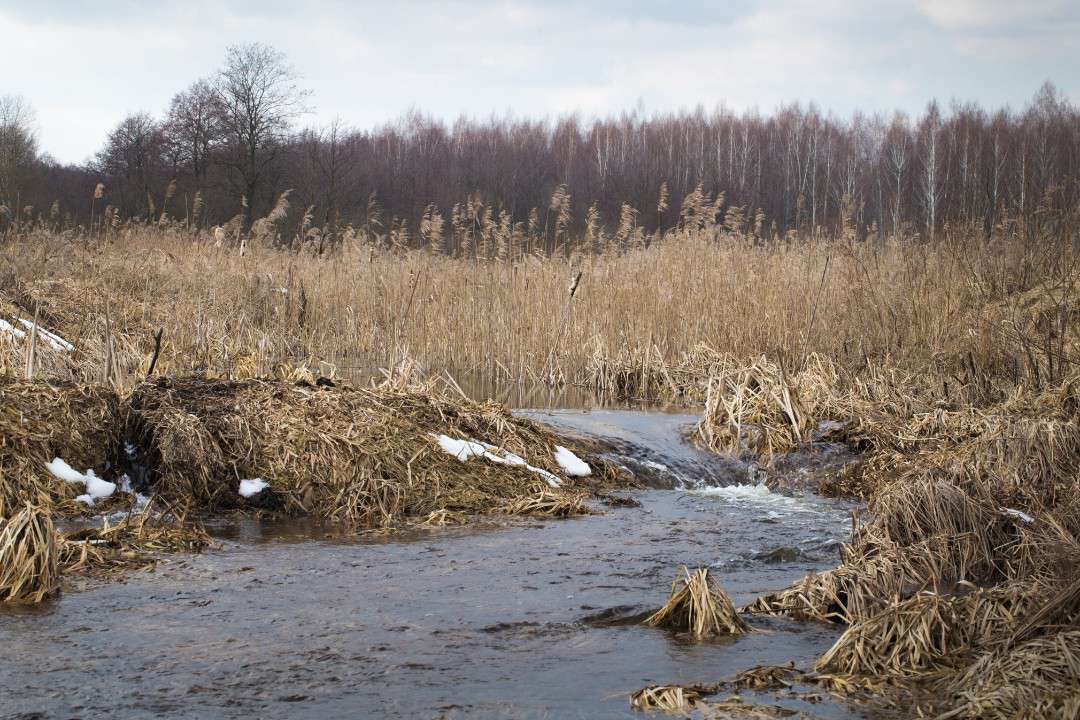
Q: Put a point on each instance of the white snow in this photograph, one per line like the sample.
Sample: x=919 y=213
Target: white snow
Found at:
x=96 y=488
x=58 y=343
x=463 y=450
x=252 y=487
x=570 y=463
x=1018 y=514
x=9 y=328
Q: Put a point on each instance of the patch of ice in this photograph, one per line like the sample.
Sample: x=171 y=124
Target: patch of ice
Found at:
x=570 y=463
x=58 y=343
x=96 y=488
x=248 y=488
x=1018 y=514
x=11 y=329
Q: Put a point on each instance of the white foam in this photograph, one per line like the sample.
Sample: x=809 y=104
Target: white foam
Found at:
x=756 y=494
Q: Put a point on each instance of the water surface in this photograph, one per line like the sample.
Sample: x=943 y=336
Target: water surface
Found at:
x=520 y=619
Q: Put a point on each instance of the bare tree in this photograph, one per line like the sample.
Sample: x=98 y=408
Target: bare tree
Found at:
x=258 y=100
x=18 y=146
x=193 y=127
x=932 y=185
x=131 y=159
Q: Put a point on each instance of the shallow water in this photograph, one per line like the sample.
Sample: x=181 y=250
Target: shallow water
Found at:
x=507 y=619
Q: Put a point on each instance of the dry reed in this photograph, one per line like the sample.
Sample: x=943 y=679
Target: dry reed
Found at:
x=28 y=556
x=699 y=607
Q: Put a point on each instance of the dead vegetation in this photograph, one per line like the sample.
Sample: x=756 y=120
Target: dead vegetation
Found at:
x=360 y=456
x=970 y=541
x=699 y=607
x=40 y=421
x=28 y=556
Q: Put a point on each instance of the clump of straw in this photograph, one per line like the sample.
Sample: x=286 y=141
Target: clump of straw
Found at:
x=28 y=556
x=699 y=607
x=546 y=503
x=667 y=698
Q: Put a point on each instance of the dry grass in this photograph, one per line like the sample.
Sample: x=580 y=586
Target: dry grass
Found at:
x=1036 y=679
x=134 y=542
x=549 y=504
x=40 y=421
x=668 y=698
x=28 y=556
x=969 y=545
x=698 y=606
x=641 y=323
x=362 y=456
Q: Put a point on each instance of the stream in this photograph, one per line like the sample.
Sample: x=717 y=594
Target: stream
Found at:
x=506 y=618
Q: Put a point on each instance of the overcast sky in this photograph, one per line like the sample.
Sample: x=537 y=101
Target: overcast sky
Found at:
x=84 y=65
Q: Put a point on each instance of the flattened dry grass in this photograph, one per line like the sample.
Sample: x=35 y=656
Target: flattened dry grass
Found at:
x=40 y=421
x=134 y=542
x=969 y=547
x=28 y=556
x=700 y=607
x=545 y=503
x=1036 y=679
x=362 y=456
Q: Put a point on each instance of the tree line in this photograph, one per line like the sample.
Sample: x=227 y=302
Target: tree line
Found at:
x=231 y=144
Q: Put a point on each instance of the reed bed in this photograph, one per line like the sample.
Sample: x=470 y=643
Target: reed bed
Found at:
x=647 y=322
x=970 y=540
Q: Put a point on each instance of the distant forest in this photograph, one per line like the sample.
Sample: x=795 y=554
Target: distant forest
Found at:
x=236 y=140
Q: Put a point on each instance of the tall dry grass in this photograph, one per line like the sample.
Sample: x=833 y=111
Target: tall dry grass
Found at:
x=641 y=322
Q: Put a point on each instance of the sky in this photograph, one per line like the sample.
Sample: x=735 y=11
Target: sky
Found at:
x=85 y=65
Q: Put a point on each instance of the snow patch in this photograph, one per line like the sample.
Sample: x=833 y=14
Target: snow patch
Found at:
x=249 y=488
x=11 y=329
x=1012 y=512
x=571 y=464
x=58 y=343
x=463 y=450
x=96 y=488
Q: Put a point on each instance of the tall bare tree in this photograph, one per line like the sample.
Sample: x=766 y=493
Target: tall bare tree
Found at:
x=18 y=146
x=193 y=127
x=258 y=101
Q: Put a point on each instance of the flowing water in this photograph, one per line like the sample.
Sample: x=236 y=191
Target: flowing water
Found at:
x=517 y=619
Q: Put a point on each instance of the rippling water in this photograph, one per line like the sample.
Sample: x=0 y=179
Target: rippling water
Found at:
x=503 y=619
